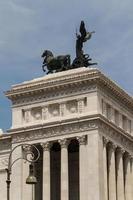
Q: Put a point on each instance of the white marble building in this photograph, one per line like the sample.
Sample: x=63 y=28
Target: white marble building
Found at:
x=82 y=123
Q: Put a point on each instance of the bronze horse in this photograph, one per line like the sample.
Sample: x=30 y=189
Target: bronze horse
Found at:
x=55 y=64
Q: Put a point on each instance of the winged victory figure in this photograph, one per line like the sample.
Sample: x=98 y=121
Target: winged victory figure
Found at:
x=81 y=38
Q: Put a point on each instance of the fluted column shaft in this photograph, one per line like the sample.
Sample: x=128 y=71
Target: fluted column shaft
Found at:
x=64 y=170
x=46 y=170
x=120 y=176
x=132 y=175
x=105 y=141
x=112 y=172
x=82 y=167
x=128 y=182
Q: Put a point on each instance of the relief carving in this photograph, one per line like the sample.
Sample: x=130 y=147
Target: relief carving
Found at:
x=53 y=110
x=54 y=131
x=72 y=106
x=82 y=140
x=81 y=105
x=120 y=139
x=45 y=113
x=36 y=113
x=62 y=109
x=27 y=116
x=3 y=163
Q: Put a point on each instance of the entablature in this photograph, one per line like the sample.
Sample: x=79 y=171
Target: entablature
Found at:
x=97 y=122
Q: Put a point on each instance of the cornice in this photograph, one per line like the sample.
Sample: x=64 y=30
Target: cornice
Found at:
x=106 y=84
x=70 y=91
x=71 y=78
x=5 y=137
x=51 y=82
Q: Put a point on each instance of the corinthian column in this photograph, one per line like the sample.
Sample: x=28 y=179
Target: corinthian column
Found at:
x=46 y=170
x=128 y=177
x=105 y=142
x=64 y=170
x=119 y=172
x=111 y=172
x=82 y=167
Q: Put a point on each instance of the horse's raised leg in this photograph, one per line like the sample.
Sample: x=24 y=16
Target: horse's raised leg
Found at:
x=43 y=68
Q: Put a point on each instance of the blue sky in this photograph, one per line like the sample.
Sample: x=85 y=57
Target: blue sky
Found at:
x=29 y=27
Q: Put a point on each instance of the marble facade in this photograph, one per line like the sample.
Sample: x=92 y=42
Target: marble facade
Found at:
x=82 y=123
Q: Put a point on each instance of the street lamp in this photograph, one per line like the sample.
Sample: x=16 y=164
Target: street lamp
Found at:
x=27 y=154
x=31 y=179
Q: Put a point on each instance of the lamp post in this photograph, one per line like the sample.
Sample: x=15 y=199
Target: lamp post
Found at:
x=27 y=154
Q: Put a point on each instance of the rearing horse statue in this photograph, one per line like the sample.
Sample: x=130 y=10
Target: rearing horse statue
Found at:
x=55 y=64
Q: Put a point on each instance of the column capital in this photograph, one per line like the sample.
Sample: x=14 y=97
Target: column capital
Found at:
x=105 y=141
x=46 y=146
x=128 y=155
x=112 y=146
x=64 y=143
x=120 y=150
x=82 y=140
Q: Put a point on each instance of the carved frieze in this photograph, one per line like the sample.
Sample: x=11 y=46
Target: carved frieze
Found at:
x=116 y=136
x=65 y=129
x=49 y=111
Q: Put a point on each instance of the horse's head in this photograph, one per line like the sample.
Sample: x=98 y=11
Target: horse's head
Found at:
x=46 y=53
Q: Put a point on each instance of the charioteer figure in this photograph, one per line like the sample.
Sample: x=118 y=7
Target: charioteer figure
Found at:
x=81 y=58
